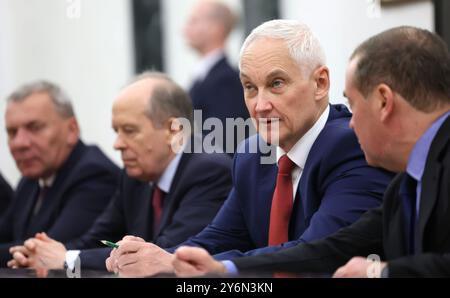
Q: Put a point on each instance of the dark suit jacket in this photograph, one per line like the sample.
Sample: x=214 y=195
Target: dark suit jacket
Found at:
x=200 y=185
x=220 y=95
x=381 y=231
x=335 y=188
x=6 y=194
x=81 y=190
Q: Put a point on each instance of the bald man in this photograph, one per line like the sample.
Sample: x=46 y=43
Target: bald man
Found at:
x=217 y=90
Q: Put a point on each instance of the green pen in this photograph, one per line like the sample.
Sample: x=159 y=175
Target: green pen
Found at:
x=109 y=243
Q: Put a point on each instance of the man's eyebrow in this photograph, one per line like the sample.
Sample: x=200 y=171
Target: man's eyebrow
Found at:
x=243 y=76
x=271 y=75
x=276 y=73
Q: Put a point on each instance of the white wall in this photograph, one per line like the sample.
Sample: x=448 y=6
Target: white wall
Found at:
x=90 y=56
x=342 y=25
x=179 y=59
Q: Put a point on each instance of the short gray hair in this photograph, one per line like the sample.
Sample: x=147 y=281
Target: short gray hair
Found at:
x=167 y=99
x=303 y=46
x=414 y=62
x=59 y=98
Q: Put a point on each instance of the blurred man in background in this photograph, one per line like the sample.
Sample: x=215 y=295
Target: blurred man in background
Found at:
x=216 y=90
x=6 y=194
x=66 y=184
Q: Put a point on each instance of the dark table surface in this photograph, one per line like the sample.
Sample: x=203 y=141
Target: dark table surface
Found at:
x=30 y=273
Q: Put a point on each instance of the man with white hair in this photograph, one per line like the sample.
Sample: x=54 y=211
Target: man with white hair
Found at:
x=398 y=85
x=319 y=182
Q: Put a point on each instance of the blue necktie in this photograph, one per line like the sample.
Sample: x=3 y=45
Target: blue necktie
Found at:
x=408 y=200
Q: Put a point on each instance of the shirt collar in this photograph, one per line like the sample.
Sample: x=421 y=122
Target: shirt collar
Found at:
x=47 y=182
x=299 y=152
x=418 y=157
x=165 y=181
x=206 y=64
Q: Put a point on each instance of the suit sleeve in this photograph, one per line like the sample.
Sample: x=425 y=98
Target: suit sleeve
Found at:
x=110 y=225
x=228 y=229
x=6 y=233
x=422 y=265
x=362 y=238
x=84 y=202
x=6 y=229
x=197 y=208
x=226 y=232
x=94 y=258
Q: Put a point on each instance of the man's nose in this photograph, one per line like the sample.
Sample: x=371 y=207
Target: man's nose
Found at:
x=119 y=144
x=263 y=104
x=21 y=139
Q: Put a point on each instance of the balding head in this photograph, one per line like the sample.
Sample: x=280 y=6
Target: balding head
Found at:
x=160 y=95
x=209 y=25
x=144 y=115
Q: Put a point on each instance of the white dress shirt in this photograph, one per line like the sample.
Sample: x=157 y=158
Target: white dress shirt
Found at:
x=206 y=64
x=300 y=151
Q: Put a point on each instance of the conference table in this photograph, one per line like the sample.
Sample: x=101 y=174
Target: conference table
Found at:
x=31 y=273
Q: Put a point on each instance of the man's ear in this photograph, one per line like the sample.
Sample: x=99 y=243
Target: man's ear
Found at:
x=177 y=131
x=384 y=101
x=173 y=126
x=321 y=77
x=73 y=131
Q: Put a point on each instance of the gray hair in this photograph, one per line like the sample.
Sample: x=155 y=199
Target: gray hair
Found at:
x=303 y=46
x=167 y=99
x=59 y=98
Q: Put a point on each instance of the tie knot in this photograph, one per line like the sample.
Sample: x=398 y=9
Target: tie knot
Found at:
x=285 y=165
x=408 y=185
x=158 y=193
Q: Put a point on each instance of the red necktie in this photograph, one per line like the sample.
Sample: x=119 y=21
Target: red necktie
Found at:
x=157 y=203
x=282 y=203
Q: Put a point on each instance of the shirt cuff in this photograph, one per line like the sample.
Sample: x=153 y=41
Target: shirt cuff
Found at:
x=71 y=258
x=231 y=268
x=385 y=272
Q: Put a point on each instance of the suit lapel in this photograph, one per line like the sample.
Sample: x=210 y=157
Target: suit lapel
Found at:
x=168 y=206
x=265 y=189
x=29 y=199
x=142 y=212
x=169 y=198
x=432 y=179
x=428 y=198
x=308 y=207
